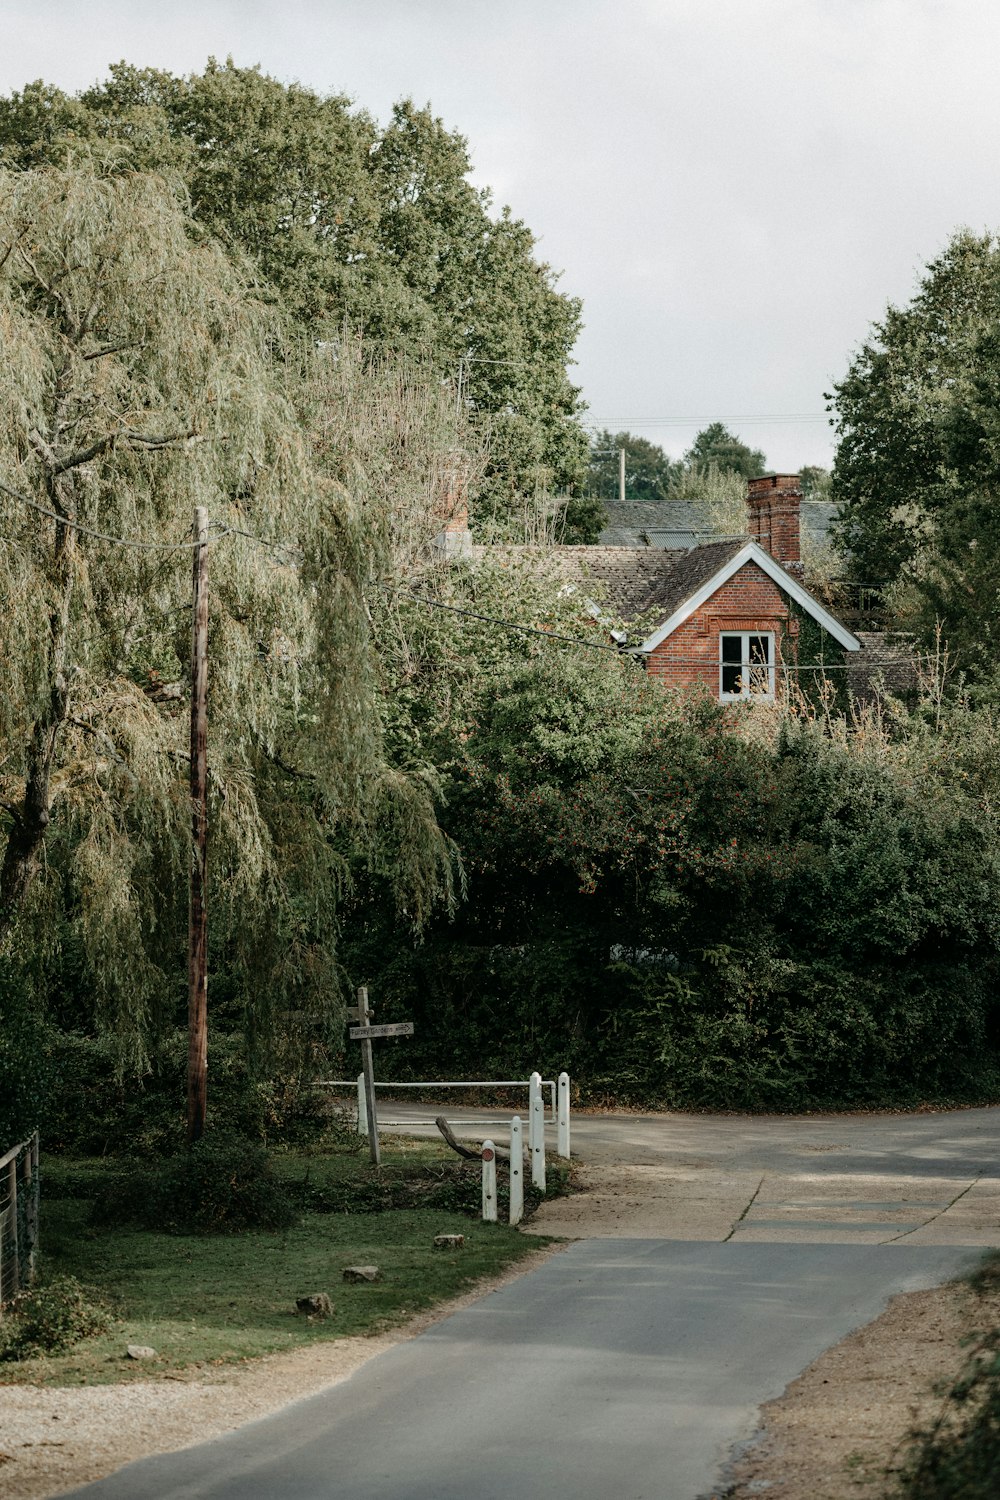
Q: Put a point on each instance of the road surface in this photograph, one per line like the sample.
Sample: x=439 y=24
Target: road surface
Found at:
x=628 y=1366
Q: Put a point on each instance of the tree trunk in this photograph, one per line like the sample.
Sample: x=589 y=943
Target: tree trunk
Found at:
x=22 y=856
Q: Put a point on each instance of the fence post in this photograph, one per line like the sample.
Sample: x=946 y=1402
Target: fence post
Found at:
x=536 y=1132
x=15 y=1248
x=516 y=1171
x=362 y=1106
x=31 y=1216
x=489 y=1182
x=562 y=1128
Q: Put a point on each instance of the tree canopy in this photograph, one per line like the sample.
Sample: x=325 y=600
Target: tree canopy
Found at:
x=141 y=380
x=650 y=474
x=917 y=469
x=350 y=224
x=716 y=456
x=730 y=455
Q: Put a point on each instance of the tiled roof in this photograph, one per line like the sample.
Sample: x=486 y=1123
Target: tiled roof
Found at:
x=632 y=582
x=631 y=522
x=636 y=580
x=643 y=523
x=886 y=664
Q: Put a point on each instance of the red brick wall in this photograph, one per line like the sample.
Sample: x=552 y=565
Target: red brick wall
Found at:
x=689 y=657
x=774 y=502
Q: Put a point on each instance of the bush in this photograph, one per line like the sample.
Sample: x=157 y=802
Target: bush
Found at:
x=50 y=1319
x=25 y=1065
x=222 y=1185
x=90 y=1110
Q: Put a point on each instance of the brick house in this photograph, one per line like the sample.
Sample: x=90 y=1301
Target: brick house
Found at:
x=726 y=615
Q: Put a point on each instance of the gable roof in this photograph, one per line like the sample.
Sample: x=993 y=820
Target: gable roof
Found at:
x=709 y=567
x=634 y=581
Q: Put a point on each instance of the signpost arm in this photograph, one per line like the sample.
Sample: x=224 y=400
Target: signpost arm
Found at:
x=369 y=1072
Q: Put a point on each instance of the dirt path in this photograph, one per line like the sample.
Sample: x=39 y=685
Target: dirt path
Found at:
x=841 y=1429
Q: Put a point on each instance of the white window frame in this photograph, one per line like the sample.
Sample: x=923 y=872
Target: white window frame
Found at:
x=747 y=693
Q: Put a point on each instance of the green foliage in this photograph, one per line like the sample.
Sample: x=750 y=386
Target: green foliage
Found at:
x=717 y=445
x=221 y=1185
x=26 y=1075
x=349 y=224
x=90 y=1108
x=817 y=483
x=649 y=473
x=51 y=1318
x=957 y=1457
x=916 y=470
x=685 y=915
x=580 y=519
x=718 y=497
x=129 y=399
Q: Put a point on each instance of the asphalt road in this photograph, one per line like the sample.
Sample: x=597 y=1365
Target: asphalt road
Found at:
x=716 y=1257
x=956 y=1143
x=619 y=1370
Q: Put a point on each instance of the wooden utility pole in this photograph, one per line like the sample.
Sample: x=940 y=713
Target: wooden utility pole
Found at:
x=198 y=913
x=621 y=475
x=364 y=1017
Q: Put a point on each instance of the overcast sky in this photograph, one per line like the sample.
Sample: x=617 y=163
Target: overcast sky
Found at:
x=735 y=188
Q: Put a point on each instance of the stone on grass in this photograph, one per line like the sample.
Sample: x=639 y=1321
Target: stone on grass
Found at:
x=449 y=1241
x=318 y=1305
x=362 y=1273
x=140 y=1351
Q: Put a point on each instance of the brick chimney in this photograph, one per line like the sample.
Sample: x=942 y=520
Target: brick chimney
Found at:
x=454 y=537
x=774 y=502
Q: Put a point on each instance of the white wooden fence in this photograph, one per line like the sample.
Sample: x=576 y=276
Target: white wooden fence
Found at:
x=557 y=1088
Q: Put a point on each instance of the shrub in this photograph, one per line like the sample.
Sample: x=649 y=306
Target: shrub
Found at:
x=222 y=1185
x=51 y=1318
x=92 y=1111
x=25 y=1067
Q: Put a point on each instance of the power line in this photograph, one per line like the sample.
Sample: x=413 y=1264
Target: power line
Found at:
x=472 y=614
x=698 y=661
x=101 y=536
x=272 y=544
x=778 y=418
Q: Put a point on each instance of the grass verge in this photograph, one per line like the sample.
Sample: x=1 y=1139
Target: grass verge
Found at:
x=213 y=1300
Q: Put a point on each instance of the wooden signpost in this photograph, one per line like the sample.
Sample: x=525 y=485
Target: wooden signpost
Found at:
x=363 y=1033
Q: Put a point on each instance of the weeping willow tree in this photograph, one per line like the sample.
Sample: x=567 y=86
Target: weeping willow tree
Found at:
x=141 y=379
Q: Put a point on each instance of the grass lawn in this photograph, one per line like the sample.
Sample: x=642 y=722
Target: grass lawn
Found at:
x=204 y=1300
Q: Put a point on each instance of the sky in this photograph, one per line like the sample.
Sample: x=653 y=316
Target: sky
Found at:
x=734 y=188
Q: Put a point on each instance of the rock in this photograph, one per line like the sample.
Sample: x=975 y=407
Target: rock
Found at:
x=316 y=1306
x=449 y=1241
x=362 y=1273
x=139 y=1351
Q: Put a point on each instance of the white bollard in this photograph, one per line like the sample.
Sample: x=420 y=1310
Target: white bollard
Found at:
x=562 y=1117
x=362 y=1106
x=536 y=1132
x=489 y=1182
x=516 y=1171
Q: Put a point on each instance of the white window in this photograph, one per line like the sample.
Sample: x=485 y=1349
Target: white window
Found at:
x=746 y=665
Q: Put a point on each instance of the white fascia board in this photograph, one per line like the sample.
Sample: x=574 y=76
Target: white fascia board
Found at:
x=788 y=585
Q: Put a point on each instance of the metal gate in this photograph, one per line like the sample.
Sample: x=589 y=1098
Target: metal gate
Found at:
x=18 y=1217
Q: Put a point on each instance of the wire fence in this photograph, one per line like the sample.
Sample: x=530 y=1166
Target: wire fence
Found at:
x=18 y=1218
